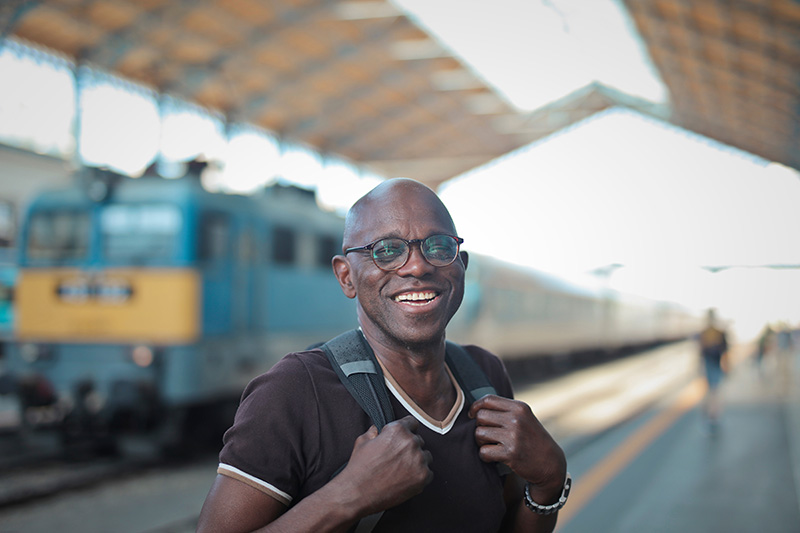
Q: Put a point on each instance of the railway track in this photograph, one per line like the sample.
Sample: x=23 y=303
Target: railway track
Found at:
x=35 y=466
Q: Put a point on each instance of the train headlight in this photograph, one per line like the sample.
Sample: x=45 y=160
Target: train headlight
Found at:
x=143 y=356
x=94 y=402
x=31 y=352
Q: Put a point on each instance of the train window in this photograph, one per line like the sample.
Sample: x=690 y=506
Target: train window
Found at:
x=139 y=233
x=58 y=236
x=327 y=247
x=214 y=236
x=284 y=245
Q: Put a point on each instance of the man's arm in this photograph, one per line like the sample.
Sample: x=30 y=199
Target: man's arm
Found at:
x=384 y=470
x=507 y=432
x=232 y=505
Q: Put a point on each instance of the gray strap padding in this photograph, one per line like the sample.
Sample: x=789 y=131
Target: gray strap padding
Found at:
x=358 y=367
x=354 y=362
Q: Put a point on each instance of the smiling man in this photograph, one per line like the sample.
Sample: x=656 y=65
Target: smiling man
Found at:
x=443 y=465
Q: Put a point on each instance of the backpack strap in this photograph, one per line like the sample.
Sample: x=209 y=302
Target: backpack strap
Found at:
x=470 y=377
x=472 y=380
x=354 y=362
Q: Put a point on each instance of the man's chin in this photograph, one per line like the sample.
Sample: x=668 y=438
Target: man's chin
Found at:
x=421 y=336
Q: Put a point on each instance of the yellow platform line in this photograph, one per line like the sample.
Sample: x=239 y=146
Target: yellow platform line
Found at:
x=589 y=484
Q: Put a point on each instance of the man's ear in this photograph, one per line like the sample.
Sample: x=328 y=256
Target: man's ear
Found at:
x=341 y=269
x=464 y=258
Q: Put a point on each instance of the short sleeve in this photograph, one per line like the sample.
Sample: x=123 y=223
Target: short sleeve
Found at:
x=275 y=434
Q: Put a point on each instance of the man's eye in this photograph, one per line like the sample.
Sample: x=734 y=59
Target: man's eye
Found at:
x=439 y=247
x=387 y=250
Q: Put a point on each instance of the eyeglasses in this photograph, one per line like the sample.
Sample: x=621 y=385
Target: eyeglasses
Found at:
x=392 y=253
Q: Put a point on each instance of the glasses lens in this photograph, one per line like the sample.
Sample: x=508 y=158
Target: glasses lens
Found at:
x=389 y=253
x=440 y=250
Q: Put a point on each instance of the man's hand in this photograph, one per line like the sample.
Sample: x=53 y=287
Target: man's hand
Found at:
x=507 y=432
x=387 y=469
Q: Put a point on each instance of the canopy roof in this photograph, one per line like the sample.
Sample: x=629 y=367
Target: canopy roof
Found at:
x=732 y=69
x=357 y=78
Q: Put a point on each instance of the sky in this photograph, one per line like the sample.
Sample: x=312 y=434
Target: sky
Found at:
x=536 y=51
x=654 y=201
x=645 y=202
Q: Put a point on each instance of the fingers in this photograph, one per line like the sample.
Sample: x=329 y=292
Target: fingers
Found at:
x=507 y=432
x=500 y=412
x=489 y=402
x=493 y=453
x=389 y=467
x=408 y=422
x=410 y=425
x=368 y=435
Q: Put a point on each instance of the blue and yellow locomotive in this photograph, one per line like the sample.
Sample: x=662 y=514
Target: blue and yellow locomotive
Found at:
x=150 y=303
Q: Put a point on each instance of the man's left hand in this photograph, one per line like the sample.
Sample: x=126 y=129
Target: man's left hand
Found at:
x=508 y=432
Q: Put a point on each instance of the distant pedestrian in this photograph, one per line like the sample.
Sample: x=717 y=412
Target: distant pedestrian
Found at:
x=784 y=340
x=764 y=346
x=713 y=349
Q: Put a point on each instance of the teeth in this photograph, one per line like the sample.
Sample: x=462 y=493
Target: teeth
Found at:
x=415 y=296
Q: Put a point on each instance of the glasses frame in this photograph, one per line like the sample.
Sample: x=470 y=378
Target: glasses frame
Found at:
x=369 y=247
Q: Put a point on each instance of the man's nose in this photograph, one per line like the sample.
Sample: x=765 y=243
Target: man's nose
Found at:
x=416 y=264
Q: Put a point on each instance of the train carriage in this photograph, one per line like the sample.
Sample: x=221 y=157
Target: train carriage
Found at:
x=537 y=321
x=148 y=304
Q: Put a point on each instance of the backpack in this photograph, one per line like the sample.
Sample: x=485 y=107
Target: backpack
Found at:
x=354 y=362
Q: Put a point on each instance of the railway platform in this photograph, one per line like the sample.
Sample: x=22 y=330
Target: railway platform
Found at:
x=666 y=471
x=640 y=455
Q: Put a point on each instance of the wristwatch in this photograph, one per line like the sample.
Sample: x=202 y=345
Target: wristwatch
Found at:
x=552 y=508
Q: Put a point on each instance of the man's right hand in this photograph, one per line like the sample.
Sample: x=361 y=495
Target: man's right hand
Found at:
x=387 y=468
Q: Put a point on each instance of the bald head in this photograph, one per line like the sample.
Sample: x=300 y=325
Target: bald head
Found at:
x=407 y=210
x=395 y=202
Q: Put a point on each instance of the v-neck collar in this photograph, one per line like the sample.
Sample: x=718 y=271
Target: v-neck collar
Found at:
x=439 y=426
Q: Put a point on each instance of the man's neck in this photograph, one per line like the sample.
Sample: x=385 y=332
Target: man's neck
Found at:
x=420 y=371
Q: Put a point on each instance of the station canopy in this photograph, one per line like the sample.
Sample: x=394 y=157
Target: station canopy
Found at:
x=358 y=79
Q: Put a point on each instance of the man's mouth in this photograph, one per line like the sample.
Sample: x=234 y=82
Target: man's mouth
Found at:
x=416 y=298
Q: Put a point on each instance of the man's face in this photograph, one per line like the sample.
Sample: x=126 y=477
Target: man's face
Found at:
x=412 y=305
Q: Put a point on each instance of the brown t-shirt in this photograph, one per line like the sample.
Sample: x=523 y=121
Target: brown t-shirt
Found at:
x=296 y=426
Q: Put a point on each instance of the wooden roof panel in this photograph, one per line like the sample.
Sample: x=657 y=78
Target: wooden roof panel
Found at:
x=732 y=69
x=249 y=11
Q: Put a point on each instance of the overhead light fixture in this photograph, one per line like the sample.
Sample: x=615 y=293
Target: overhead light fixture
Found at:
x=456 y=80
x=418 y=49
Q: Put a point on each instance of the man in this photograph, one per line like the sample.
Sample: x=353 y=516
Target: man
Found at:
x=434 y=469
x=713 y=349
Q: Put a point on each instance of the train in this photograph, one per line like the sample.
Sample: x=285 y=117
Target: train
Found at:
x=147 y=304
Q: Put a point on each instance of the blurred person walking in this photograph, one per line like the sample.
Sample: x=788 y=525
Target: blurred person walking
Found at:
x=713 y=350
x=764 y=347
